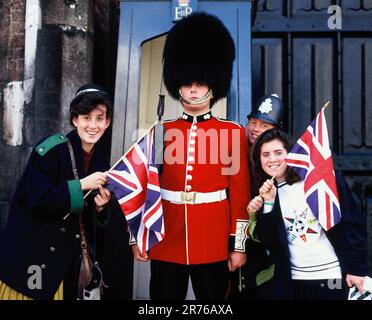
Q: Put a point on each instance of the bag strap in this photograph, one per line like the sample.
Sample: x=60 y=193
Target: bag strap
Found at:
x=73 y=161
x=83 y=240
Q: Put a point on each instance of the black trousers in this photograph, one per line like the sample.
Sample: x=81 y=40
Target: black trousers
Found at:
x=326 y=289
x=169 y=281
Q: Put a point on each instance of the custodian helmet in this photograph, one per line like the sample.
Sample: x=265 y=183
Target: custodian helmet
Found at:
x=269 y=109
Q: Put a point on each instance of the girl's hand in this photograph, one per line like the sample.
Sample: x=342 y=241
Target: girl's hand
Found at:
x=268 y=191
x=93 y=181
x=102 y=198
x=255 y=204
x=352 y=280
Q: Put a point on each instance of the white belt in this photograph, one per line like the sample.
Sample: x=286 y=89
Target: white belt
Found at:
x=181 y=197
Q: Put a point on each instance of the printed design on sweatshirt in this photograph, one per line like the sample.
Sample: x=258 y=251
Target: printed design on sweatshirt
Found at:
x=300 y=226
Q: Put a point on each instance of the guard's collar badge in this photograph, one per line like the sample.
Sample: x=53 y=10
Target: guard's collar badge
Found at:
x=266 y=106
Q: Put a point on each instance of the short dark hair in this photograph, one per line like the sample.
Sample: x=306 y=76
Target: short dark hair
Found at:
x=85 y=101
x=259 y=175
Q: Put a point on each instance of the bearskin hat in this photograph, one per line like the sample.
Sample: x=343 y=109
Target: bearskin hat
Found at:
x=199 y=48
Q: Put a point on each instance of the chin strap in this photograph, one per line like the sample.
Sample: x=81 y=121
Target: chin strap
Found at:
x=206 y=97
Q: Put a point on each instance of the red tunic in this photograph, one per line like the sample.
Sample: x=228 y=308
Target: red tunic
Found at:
x=199 y=233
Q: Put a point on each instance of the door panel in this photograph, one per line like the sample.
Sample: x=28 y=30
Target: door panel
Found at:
x=312 y=64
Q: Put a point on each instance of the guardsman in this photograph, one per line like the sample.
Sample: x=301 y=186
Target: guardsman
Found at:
x=205 y=176
x=40 y=249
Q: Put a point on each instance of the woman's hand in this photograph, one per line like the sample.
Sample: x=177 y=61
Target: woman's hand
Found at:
x=93 y=181
x=102 y=198
x=355 y=280
x=137 y=254
x=255 y=204
x=268 y=191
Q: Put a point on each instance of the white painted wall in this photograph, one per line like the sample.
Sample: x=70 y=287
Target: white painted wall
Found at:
x=17 y=93
x=13 y=113
x=32 y=24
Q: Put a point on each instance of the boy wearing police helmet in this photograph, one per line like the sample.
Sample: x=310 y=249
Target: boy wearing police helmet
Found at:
x=267 y=113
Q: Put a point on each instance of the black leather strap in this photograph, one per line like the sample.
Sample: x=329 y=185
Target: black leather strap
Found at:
x=83 y=240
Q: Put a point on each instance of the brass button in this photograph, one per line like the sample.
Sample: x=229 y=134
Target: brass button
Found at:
x=43 y=266
x=52 y=249
x=77 y=236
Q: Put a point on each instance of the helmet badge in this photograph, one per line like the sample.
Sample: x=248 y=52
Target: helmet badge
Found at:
x=266 y=106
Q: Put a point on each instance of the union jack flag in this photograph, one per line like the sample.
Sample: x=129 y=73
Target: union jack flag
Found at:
x=135 y=181
x=311 y=158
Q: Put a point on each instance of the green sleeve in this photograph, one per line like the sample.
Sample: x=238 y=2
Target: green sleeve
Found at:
x=252 y=227
x=76 y=196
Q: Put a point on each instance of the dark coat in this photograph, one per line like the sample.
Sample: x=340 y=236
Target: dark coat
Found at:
x=37 y=233
x=348 y=238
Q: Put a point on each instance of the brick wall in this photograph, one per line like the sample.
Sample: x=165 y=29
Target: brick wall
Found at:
x=12 y=35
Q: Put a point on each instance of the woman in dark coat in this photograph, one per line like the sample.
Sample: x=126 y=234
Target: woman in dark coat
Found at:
x=308 y=262
x=40 y=250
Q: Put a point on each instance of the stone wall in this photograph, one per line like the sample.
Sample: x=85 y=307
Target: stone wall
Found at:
x=12 y=35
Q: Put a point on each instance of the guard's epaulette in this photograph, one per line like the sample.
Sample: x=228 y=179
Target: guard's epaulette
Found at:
x=229 y=121
x=50 y=142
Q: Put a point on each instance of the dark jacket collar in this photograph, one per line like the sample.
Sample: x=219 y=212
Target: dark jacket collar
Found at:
x=203 y=117
x=97 y=163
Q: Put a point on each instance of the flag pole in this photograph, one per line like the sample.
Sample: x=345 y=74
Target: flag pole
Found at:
x=273 y=177
x=326 y=105
x=146 y=132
